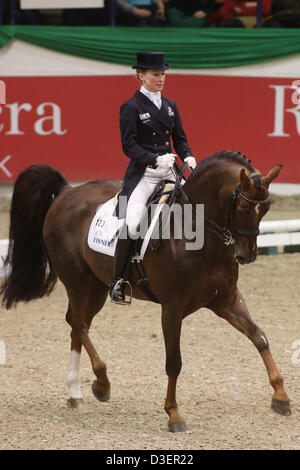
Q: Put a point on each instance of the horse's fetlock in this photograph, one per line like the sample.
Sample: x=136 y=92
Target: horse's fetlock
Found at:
x=171 y=408
x=100 y=369
x=276 y=381
x=71 y=378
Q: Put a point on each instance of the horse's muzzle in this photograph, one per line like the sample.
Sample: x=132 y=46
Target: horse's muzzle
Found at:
x=246 y=256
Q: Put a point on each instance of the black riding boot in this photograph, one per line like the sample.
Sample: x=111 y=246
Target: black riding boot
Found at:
x=120 y=267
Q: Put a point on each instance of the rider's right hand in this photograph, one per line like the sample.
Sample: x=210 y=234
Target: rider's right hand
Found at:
x=166 y=161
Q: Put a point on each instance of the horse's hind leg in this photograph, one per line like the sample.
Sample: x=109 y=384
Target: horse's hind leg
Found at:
x=75 y=399
x=239 y=317
x=84 y=304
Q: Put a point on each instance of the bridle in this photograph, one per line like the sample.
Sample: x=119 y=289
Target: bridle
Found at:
x=227 y=234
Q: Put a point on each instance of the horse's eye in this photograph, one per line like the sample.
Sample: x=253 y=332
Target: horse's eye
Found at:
x=244 y=206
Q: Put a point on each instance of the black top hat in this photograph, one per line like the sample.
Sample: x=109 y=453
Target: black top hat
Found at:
x=151 y=61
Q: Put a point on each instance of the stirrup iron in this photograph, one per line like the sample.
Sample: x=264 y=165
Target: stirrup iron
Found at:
x=123 y=302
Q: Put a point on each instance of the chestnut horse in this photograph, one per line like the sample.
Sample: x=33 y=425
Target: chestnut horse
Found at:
x=49 y=225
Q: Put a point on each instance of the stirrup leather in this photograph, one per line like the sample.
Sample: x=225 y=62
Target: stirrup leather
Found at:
x=119 y=284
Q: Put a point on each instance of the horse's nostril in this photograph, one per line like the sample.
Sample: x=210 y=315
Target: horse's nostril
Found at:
x=240 y=259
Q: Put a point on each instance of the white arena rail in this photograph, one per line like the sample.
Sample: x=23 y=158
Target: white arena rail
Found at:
x=3 y=253
x=273 y=233
x=279 y=233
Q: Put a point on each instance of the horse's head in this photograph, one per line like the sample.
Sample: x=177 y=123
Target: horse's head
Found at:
x=251 y=204
x=236 y=197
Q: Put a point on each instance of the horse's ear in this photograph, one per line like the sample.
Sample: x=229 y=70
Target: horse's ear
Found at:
x=245 y=180
x=273 y=173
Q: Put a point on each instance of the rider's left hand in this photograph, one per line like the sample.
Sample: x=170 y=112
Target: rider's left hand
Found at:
x=190 y=162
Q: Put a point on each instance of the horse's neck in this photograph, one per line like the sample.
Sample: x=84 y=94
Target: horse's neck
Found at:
x=213 y=188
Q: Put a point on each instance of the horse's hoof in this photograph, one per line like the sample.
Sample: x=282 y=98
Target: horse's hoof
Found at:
x=99 y=394
x=75 y=403
x=177 y=427
x=281 y=407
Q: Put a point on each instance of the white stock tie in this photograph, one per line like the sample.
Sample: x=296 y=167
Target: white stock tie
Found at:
x=156 y=100
x=154 y=96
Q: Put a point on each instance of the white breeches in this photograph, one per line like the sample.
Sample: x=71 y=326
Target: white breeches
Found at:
x=141 y=193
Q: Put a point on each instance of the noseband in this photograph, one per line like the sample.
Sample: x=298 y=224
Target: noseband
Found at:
x=227 y=233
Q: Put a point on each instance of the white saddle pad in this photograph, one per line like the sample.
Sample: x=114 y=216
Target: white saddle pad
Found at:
x=105 y=229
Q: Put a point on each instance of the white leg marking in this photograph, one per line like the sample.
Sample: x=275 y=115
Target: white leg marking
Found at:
x=73 y=378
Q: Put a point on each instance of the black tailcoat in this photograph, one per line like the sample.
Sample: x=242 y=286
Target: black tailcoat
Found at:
x=146 y=132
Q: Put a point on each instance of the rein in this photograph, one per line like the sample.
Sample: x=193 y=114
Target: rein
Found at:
x=227 y=234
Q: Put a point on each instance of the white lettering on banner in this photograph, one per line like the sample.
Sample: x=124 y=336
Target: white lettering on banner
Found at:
x=1 y=125
x=54 y=117
x=296 y=112
x=296 y=94
x=3 y=167
x=15 y=110
x=279 y=112
x=2 y=92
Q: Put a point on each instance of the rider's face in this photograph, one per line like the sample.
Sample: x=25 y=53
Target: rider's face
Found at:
x=153 y=80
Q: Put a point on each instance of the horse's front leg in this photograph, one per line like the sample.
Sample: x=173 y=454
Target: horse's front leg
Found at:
x=238 y=315
x=171 y=324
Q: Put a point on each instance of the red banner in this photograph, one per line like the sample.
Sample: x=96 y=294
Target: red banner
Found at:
x=72 y=123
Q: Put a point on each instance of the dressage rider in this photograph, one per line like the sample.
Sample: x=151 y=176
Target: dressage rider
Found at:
x=148 y=121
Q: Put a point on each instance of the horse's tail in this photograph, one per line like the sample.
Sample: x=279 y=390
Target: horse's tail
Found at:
x=29 y=272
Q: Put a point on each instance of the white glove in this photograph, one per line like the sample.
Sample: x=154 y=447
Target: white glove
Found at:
x=166 y=161
x=191 y=162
